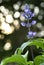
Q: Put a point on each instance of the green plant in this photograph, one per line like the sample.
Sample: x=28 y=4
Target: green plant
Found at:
x=22 y=59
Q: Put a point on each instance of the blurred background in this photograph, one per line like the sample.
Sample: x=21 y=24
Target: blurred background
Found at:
x=12 y=33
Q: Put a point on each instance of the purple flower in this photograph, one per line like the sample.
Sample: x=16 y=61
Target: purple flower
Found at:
x=32 y=15
x=26 y=9
x=27 y=13
x=33 y=22
x=23 y=24
x=31 y=34
x=28 y=24
x=34 y=33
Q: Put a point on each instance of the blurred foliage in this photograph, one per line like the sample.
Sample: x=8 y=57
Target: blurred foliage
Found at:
x=22 y=59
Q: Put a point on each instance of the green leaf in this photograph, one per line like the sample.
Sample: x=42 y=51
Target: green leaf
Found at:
x=15 y=58
x=19 y=58
x=30 y=63
x=18 y=51
x=24 y=45
x=25 y=55
x=39 y=60
x=37 y=42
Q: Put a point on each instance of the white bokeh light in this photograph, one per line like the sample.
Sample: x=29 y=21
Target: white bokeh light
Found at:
x=7 y=46
x=22 y=7
x=0 y=1
x=41 y=12
x=42 y=4
x=31 y=6
x=36 y=10
x=19 y=3
x=16 y=6
x=40 y=17
x=16 y=24
x=16 y=14
x=6 y=12
x=41 y=33
x=6 y=28
x=9 y=19
x=2 y=19
x=1 y=15
x=22 y=18
x=2 y=9
x=39 y=25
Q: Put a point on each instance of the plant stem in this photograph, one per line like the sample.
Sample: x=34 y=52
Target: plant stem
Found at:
x=32 y=53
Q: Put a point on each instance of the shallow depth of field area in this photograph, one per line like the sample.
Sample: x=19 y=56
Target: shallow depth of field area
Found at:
x=21 y=32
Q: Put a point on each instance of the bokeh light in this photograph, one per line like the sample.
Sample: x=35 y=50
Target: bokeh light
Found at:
x=16 y=24
x=36 y=10
x=42 y=4
x=31 y=6
x=7 y=46
x=16 y=14
x=39 y=25
x=16 y=6
x=6 y=28
x=40 y=17
x=22 y=18
x=0 y=1
x=9 y=18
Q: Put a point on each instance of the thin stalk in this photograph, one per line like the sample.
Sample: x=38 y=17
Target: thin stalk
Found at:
x=31 y=46
x=32 y=53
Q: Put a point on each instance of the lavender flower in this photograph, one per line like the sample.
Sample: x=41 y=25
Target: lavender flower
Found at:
x=25 y=15
x=33 y=22
x=28 y=14
x=31 y=34
x=26 y=9
x=34 y=33
x=28 y=25
x=23 y=24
